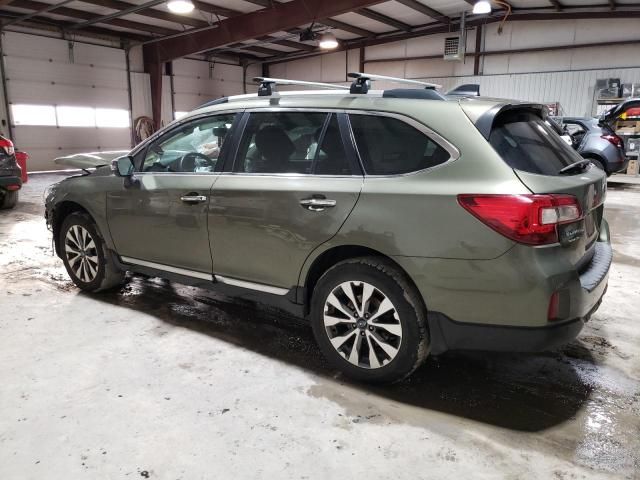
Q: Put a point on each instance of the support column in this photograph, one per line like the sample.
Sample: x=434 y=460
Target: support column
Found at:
x=153 y=66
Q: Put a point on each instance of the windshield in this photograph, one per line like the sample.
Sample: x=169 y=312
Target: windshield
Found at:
x=527 y=143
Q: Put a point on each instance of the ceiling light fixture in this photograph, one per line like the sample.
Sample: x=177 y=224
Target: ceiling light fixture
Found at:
x=328 y=41
x=180 y=6
x=481 y=6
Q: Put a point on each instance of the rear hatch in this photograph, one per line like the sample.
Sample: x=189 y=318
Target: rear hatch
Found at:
x=547 y=165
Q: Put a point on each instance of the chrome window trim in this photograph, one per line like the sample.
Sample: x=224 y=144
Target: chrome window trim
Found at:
x=452 y=150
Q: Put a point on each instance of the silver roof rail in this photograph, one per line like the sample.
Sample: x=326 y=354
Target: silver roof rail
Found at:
x=362 y=81
x=267 y=85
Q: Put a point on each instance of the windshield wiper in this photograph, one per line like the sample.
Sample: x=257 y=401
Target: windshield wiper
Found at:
x=579 y=164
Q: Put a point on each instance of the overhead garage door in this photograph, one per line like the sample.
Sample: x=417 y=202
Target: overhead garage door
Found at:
x=45 y=72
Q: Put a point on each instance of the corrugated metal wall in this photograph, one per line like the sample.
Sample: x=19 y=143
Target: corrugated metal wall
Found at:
x=564 y=76
x=195 y=82
x=39 y=71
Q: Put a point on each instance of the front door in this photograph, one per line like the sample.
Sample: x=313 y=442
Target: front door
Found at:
x=159 y=219
x=291 y=187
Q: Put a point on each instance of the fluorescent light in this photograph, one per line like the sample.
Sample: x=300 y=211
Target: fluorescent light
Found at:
x=482 y=6
x=180 y=6
x=328 y=41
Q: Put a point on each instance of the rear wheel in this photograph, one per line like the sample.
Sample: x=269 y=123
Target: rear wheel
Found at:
x=85 y=256
x=599 y=164
x=8 y=200
x=369 y=320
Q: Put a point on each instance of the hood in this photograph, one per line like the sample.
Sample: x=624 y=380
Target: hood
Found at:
x=91 y=159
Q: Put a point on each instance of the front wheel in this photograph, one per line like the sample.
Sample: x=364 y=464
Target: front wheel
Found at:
x=85 y=255
x=8 y=199
x=369 y=320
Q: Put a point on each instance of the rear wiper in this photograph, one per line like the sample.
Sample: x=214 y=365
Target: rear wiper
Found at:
x=579 y=164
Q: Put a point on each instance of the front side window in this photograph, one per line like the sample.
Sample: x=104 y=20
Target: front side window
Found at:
x=389 y=146
x=292 y=142
x=193 y=147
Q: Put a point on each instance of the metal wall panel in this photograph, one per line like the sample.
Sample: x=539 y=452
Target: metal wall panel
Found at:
x=194 y=83
x=46 y=71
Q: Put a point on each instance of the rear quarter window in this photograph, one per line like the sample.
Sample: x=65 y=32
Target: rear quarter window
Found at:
x=525 y=142
x=389 y=146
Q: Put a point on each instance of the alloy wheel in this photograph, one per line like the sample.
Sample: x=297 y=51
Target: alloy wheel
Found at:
x=81 y=252
x=362 y=324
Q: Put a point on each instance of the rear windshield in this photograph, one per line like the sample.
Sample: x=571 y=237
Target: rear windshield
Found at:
x=527 y=143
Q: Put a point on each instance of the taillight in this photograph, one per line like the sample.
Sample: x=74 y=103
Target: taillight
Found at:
x=616 y=140
x=528 y=219
x=7 y=146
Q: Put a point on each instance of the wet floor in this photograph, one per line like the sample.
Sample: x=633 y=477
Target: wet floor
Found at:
x=160 y=380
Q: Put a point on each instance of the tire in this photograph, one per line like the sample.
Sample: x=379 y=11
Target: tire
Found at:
x=9 y=200
x=79 y=233
x=599 y=164
x=394 y=330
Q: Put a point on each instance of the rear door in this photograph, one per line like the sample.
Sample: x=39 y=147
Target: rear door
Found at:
x=538 y=155
x=292 y=185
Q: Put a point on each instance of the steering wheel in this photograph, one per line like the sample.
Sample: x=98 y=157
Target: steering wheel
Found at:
x=193 y=160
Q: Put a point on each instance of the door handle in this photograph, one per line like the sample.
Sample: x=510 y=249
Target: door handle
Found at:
x=193 y=198
x=317 y=204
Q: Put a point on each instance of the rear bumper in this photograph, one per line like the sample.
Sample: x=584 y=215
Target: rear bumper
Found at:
x=502 y=304
x=447 y=334
x=10 y=181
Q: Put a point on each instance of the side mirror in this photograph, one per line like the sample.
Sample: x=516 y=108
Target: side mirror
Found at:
x=122 y=167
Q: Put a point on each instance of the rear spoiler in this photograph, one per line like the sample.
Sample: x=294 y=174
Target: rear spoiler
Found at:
x=466 y=90
x=487 y=119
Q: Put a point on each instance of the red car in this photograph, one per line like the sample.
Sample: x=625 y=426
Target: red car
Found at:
x=13 y=173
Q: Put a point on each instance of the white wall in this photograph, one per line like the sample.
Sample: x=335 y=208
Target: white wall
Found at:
x=566 y=76
x=39 y=71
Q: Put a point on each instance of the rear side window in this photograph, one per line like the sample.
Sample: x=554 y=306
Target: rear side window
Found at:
x=388 y=146
x=527 y=143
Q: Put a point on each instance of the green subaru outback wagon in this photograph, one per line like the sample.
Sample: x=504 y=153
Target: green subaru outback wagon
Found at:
x=400 y=223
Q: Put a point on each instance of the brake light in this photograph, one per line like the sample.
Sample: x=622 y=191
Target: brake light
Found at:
x=614 y=139
x=7 y=146
x=528 y=219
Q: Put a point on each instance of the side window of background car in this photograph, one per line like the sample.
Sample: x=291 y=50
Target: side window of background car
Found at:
x=192 y=147
x=388 y=146
x=292 y=142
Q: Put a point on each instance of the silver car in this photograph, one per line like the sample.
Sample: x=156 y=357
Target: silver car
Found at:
x=596 y=142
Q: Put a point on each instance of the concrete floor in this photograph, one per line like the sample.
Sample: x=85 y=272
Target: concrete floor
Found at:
x=165 y=381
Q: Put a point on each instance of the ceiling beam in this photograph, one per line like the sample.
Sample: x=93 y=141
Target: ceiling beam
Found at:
x=49 y=24
x=193 y=22
x=281 y=16
x=254 y=48
x=556 y=3
x=361 y=32
x=118 y=14
x=379 y=17
x=84 y=15
x=328 y=22
x=286 y=43
x=428 y=11
x=27 y=16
